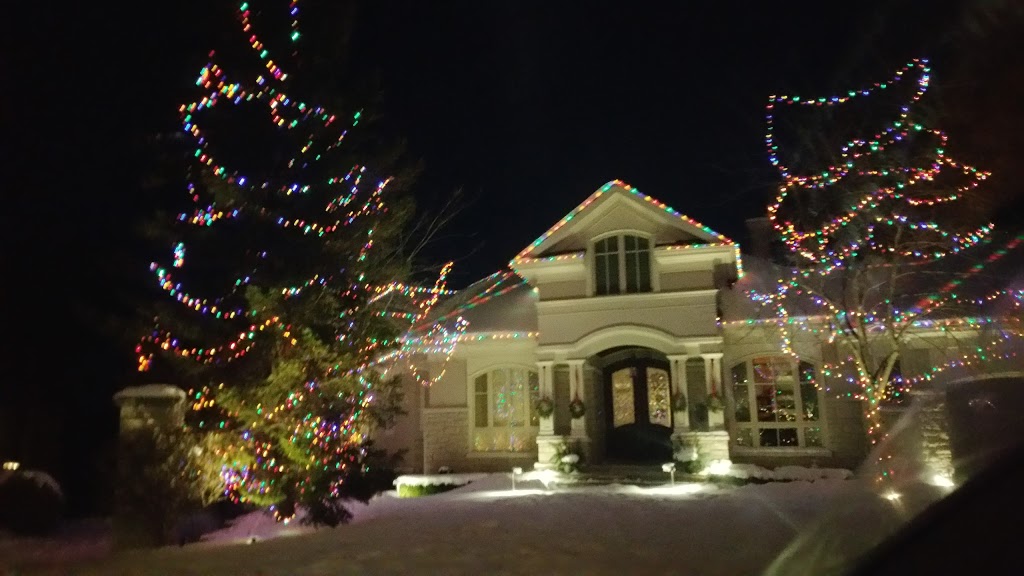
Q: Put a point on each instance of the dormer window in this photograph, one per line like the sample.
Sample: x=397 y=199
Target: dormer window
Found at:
x=622 y=265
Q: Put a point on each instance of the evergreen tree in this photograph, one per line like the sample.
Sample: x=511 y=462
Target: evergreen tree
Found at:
x=284 y=304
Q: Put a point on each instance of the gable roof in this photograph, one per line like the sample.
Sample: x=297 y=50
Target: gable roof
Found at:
x=618 y=188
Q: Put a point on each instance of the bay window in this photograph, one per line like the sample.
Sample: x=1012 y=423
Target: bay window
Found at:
x=775 y=403
x=504 y=410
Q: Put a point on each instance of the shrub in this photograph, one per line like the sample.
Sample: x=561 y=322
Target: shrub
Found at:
x=30 y=503
x=162 y=480
x=417 y=490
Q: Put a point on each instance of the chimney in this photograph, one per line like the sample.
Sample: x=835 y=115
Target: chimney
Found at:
x=761 y=235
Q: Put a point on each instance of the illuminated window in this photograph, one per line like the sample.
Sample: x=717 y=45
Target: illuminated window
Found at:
x=504 y=410
x=657 y=396
x=775 y=403
x=622 y=265
x=623 y=407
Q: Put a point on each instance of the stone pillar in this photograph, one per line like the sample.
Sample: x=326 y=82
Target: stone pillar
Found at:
x=677 y=375
x=933 y=424
x=145 y=511
x=150 y=406
x=713 y=381
x=547 y=441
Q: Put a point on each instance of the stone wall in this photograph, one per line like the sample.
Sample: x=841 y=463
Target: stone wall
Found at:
x=446 y=443
x=445 y=439
x=846 y=433
x=710 y=446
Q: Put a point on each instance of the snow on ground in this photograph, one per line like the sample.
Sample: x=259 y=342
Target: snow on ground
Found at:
x=437 y=479
x=487 y=528
x=782 y=473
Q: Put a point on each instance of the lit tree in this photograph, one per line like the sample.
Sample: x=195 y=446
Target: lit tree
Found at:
x=290 y=364
x=882 y=243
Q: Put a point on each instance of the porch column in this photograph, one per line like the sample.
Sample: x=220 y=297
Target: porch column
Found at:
x=545 y=377
x=677 y=376
x=578 y=426
x=713 y=381
x=547 y=442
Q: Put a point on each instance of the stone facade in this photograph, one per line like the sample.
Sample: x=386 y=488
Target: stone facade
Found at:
x=446 y=444
x=445 y=439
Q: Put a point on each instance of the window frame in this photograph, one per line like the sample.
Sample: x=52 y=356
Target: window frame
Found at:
x=622 y=255
x=755 y=425
x=529 y=428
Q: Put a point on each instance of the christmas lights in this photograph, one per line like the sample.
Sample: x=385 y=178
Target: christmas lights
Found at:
x=526 y=255
x=857 y=228
x=300 y=429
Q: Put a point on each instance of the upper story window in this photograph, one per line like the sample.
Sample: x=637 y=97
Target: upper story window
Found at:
x=622 y=265
x=776 y=403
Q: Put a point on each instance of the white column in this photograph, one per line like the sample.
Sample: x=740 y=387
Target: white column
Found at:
x=677 y=369
x=578 y=426
x=713 y=381
x=545 y=376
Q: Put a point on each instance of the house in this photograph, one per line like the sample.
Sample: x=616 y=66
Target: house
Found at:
x=614 y=316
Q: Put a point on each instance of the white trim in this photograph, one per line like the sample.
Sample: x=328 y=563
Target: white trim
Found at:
x=641 y=299
x=626 y=335
x=445 y=409
x=675 y=256
x=527 y=454
x=608 y=196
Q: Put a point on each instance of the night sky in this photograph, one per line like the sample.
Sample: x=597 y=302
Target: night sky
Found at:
x=525 y=107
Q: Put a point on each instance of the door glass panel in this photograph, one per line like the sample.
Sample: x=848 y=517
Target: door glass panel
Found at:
x=623 y=410
x=658 y=397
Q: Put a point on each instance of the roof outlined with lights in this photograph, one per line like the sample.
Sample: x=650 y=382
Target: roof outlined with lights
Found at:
x=611 y=189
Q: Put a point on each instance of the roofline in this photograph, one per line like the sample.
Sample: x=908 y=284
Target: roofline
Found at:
x=525 y=253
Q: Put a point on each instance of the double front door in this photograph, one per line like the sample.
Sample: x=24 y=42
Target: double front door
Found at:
x=639 y=410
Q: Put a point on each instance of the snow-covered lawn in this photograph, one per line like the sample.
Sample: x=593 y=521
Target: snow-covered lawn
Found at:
x=486 y=528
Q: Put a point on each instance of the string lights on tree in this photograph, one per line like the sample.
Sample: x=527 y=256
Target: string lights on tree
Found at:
x=291 y=355
x=881 y=250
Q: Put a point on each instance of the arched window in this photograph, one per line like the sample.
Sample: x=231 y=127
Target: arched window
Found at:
x=622 y=265
x=775 y=403
x=504 y=410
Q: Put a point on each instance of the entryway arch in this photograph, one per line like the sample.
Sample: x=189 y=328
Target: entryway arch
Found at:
x=637 y=388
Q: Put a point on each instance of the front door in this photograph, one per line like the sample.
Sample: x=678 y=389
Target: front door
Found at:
x=638 y=409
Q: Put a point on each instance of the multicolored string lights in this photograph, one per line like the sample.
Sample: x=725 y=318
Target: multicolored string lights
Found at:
x=867 y=234
x=302 y=428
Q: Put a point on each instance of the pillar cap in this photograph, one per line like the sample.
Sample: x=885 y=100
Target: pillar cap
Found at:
x=165 y=392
